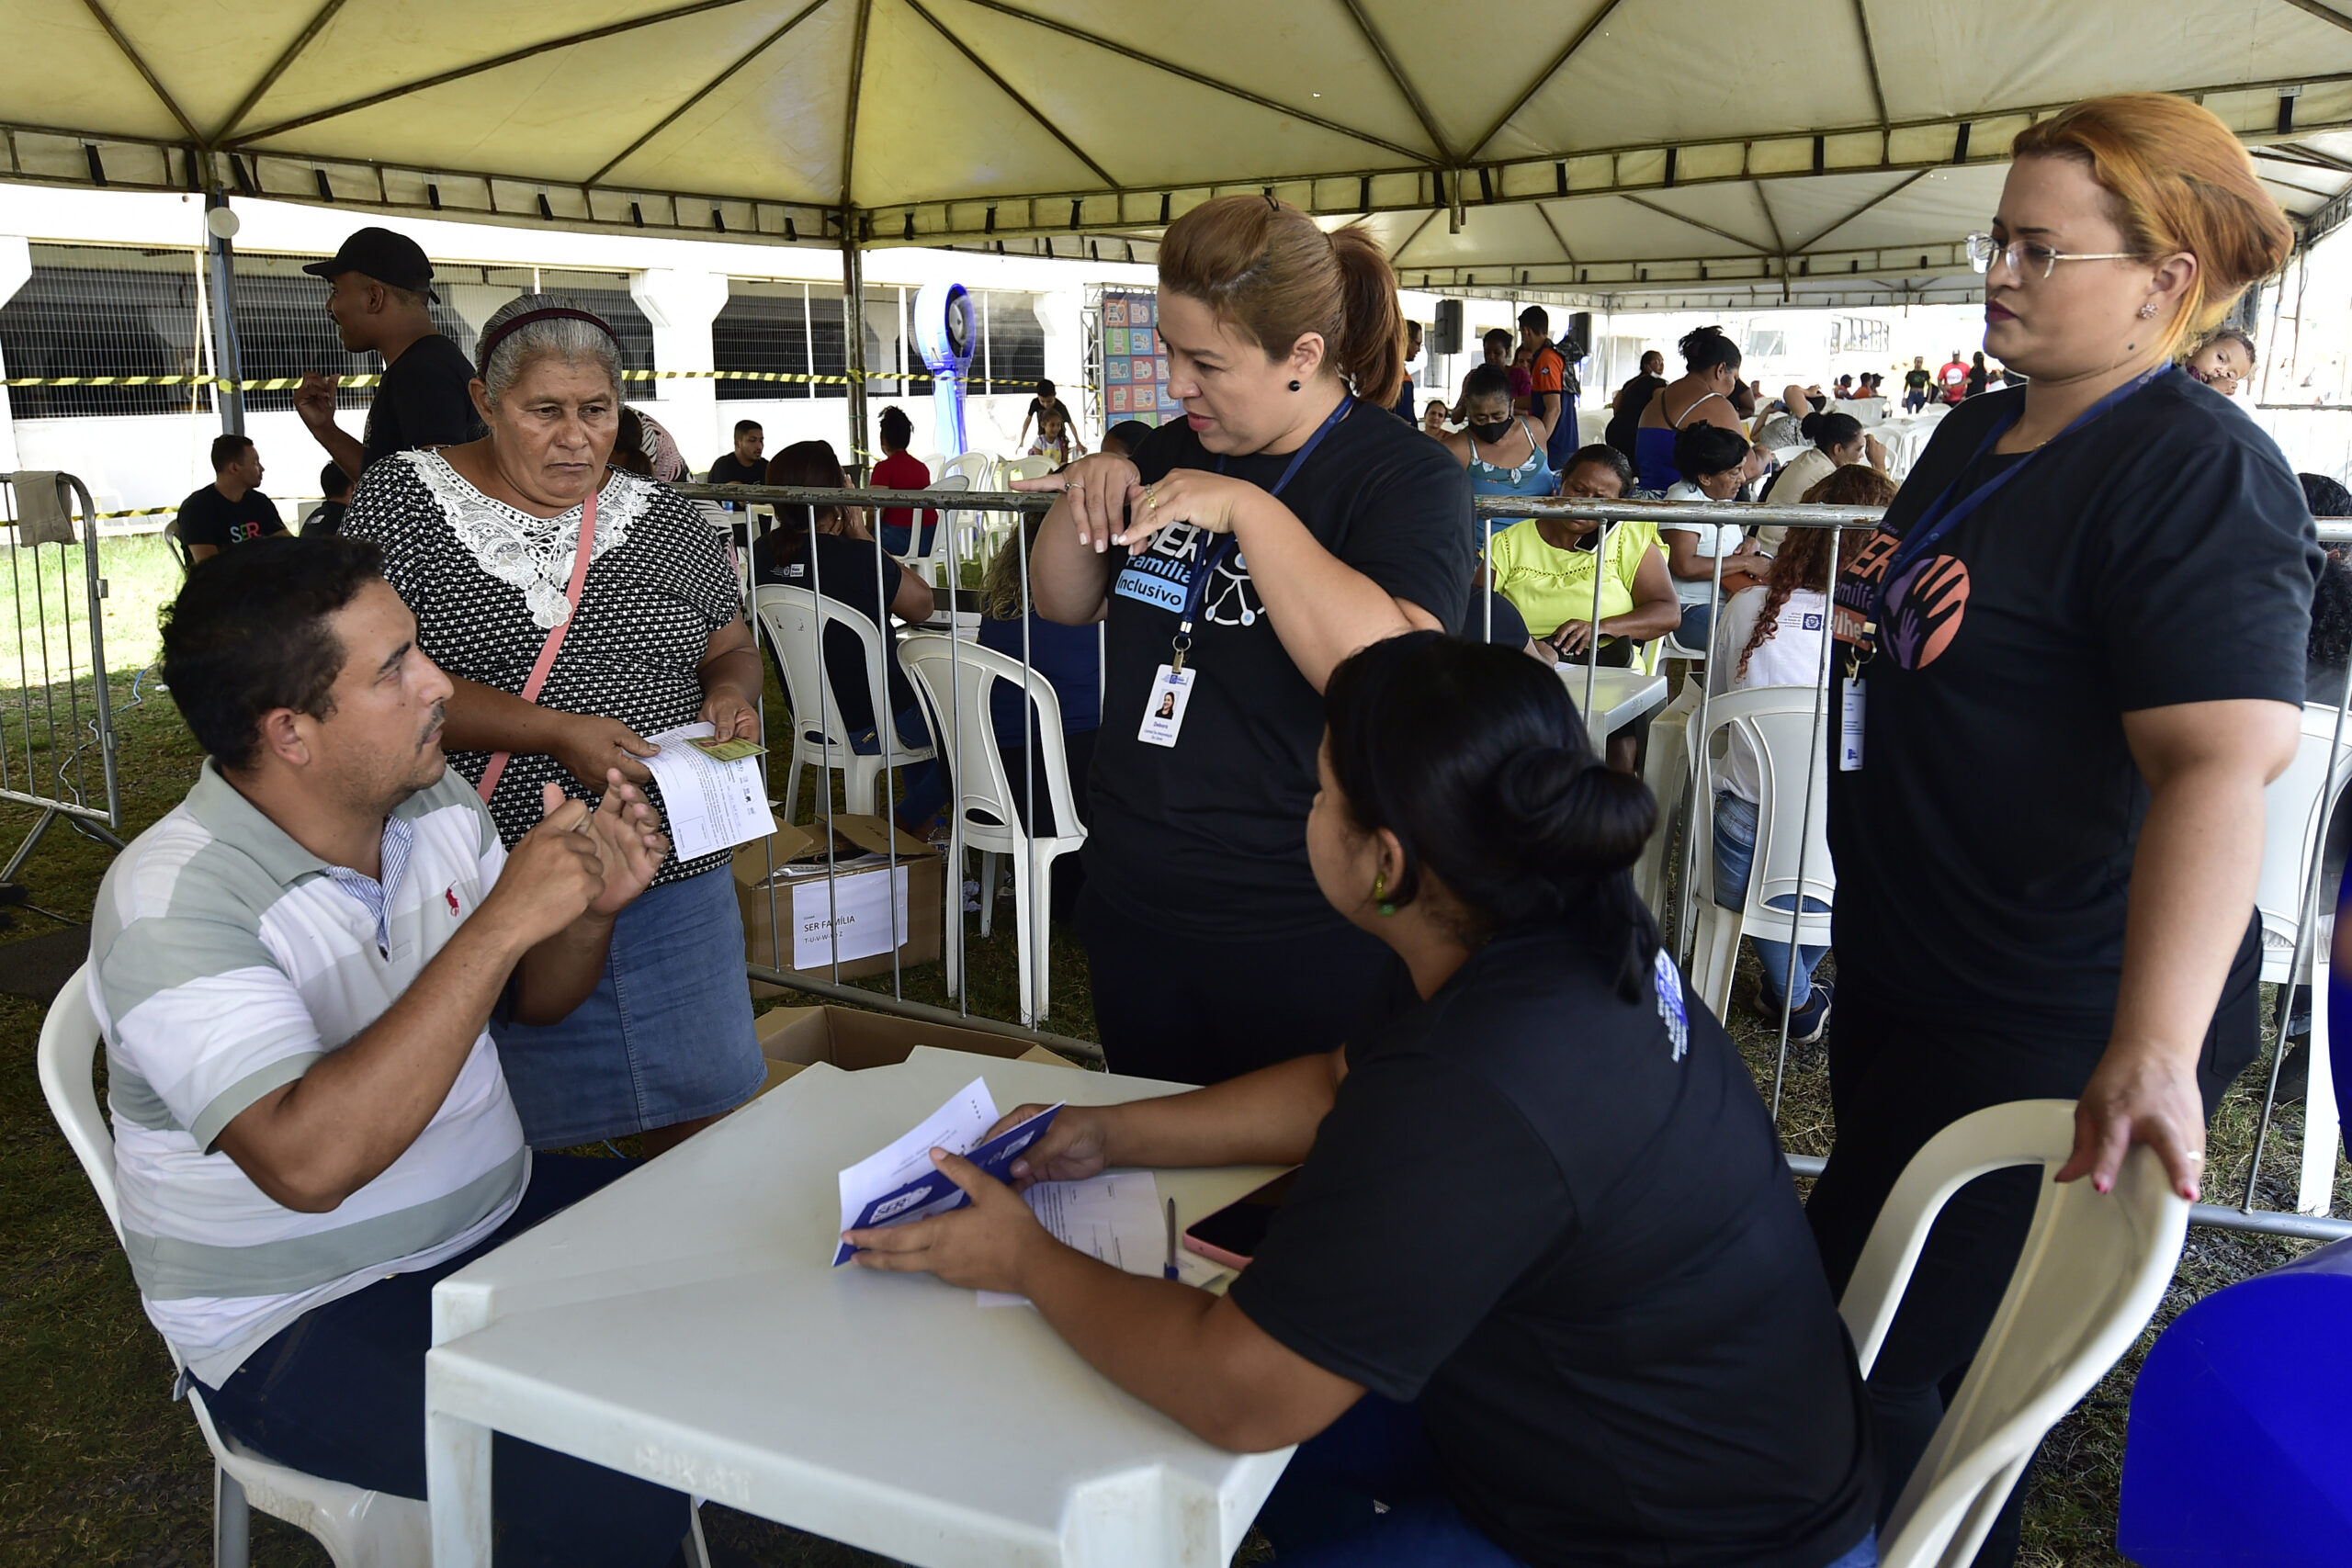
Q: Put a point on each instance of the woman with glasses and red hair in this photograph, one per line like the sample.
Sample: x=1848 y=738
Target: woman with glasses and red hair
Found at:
x=2068 y=661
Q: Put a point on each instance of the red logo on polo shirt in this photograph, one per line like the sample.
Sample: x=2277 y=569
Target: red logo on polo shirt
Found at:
x=450 y=893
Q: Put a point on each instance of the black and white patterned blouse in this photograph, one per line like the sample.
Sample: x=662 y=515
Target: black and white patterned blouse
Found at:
x=486 y=584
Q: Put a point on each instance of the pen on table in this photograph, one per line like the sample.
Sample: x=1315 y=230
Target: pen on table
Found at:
x=1170 y=1271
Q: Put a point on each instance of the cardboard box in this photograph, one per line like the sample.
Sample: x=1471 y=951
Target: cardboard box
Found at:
x=790 y=862
x=792 y=1038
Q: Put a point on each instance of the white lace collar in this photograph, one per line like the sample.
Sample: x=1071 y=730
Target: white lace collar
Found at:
x=534 y=554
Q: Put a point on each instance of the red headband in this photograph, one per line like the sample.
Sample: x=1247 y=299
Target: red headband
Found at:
x=506 y=329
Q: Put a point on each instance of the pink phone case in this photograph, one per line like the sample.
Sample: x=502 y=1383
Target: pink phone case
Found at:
x=1215 y=1254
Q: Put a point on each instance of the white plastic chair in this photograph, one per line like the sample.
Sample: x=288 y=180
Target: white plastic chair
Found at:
x=1777 y=724
x=359 y=1530
x=1034 y=467
x=2295 y=807
x=795 y=619
x=2093 y=1269
x=1666 y=768
x=985 y=795
x=933 y=565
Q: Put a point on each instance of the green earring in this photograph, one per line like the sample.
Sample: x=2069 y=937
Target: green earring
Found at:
x=1380 y=892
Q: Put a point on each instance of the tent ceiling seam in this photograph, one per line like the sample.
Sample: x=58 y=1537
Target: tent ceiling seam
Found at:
x=140 y=64
x=459 y=73
x=1559 y=62
x=1870 y=57
x=667 y=120
x=1396 y=75
x=1545 y=213
x=286 y=58
x=1419 y=160
x=1695 y=224
x=1894 y=190
x=1008 y=89
x=849 y=126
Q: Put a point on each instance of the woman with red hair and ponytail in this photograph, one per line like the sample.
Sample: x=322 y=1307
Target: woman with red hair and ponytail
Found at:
x=1236 y=560
x=2073 y=652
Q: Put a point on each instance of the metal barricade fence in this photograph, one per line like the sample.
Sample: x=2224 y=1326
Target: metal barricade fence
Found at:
x=1583 y=682
x=61 y=712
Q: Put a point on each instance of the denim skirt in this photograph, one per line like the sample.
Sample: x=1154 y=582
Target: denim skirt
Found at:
x=666 y=1035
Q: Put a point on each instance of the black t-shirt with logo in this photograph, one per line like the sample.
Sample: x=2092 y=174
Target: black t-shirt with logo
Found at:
x=2160 y=555
x=1614 y=1326
x=1211 y=834
x=208 y=517
x=422 y=401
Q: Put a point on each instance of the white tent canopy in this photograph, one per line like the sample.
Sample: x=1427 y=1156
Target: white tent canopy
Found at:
x=1610 y=146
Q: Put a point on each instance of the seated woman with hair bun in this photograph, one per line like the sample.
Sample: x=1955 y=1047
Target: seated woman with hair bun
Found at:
x=1541 y=1285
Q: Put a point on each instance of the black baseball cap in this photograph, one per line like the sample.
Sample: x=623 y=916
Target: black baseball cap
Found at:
x=383 y=256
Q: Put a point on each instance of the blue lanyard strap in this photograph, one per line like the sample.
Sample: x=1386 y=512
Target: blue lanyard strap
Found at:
x=1943 y=513
x=1210 y=552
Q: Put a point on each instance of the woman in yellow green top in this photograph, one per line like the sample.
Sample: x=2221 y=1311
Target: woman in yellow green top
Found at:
x=1545 y=566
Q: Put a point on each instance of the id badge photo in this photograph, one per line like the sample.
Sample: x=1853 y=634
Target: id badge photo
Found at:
x=1163 y=710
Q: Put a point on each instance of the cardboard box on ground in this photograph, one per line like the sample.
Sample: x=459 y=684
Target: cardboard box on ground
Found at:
x=792 y=1038
x=785 y=873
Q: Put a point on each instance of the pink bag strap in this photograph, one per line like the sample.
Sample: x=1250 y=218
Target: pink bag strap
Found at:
x=549 y=650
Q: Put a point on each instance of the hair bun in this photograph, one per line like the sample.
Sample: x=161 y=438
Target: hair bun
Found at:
x=1574 y=815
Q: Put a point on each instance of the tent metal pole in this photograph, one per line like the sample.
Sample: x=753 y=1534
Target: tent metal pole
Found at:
x=853 y=341
x=227 y=363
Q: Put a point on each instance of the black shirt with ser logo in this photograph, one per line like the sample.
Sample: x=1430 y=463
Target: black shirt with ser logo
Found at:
x=2160 y=555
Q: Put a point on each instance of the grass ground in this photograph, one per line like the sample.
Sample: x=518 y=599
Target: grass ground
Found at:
x=99 y=1467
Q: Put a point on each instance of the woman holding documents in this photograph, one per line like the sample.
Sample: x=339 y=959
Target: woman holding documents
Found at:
x=1542 y=1286
x=1238 y=555
x=579 y=610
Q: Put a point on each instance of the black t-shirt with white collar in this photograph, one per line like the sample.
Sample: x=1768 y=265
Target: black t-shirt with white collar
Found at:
x=1211 y=834
x=1558 y=1223
x=2161 y=555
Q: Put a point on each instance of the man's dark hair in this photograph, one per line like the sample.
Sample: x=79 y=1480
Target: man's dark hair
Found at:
x=1045 y=387
x=2325 y=496
x=248 y=635
x=228 y=449
x=896 y=428
x=1536 y=319
x=742 y=425
x=333 y=481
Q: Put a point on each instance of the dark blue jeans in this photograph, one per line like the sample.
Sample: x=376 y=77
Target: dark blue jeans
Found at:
x=1321 y=1513
x=339 y=1392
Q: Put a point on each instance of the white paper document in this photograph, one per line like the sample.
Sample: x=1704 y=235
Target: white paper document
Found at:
x=864 y=911
x=1115 y=1217
x=955 y=1126
x=712 y=806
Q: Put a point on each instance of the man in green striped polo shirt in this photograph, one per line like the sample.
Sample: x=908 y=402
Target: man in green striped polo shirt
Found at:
x=294 y=969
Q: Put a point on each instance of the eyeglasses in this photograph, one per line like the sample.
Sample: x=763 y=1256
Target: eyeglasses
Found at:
x=1982 y=248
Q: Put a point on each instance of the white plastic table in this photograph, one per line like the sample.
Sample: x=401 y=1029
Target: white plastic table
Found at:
x=683 y=1324
x=1619 y=697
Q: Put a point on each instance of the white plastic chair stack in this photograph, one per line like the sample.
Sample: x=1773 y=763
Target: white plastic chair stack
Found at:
x=2094 y=1266
x=1777 y=723
x=2296 y=808
x=957 y=680
x=978 y=471
x=795 y=619
x=359 y=1530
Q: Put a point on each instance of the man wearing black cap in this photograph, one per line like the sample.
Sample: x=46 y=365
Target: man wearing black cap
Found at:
x=382 y=285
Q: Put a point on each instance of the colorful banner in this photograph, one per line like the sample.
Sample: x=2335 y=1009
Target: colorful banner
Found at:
x=1135 y=367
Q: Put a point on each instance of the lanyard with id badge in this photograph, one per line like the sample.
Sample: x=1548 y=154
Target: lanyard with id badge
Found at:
x=1860 y=603
x=1171 y=688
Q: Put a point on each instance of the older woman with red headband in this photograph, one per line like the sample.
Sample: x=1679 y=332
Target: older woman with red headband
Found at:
x=580 y=608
